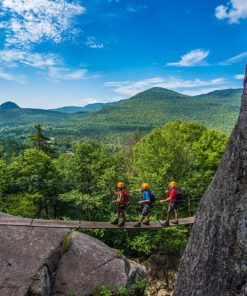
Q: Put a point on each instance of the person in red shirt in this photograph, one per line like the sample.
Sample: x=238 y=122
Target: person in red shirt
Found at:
x=173 y=203
x=121 y=203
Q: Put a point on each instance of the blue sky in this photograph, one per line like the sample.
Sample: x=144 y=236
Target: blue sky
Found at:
x=62 y=53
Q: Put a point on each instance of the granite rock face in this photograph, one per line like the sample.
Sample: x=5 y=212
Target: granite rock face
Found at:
x=33 y=262
x=244 y=291
x=215 y=259
x=88 y=262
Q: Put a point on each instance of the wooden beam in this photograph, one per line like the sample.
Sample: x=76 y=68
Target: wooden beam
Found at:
x=16 y=221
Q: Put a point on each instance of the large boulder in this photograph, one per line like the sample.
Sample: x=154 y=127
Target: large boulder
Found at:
x=215 y=259
x=46 y=261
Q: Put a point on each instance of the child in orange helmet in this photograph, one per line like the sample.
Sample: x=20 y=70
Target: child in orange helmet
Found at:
x=122 y=200
x=146 y=204
x=172 y=191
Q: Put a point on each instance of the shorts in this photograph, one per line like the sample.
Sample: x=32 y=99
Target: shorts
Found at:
x=120 y=208
x=145 y=209
x=172 y=206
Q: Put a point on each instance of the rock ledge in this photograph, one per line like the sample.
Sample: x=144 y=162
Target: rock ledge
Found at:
x=32 y=263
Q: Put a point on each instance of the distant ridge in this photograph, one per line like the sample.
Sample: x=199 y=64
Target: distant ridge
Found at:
x=9 y=105
x=223 y=93
x=87 y=108
x=67 y=109
x=146 y=110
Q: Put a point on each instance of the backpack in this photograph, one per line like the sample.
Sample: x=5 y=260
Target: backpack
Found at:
x=126 y=196
x=180 y=196
x=152 y=196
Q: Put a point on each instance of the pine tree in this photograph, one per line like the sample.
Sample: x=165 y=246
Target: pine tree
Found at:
x=41 y=142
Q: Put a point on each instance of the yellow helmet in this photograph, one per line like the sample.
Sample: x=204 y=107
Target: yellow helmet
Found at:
x=173 y=184
x=145 y=186
x=120 y=185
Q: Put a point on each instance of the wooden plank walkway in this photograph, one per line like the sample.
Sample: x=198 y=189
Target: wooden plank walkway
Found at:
x=16 y=221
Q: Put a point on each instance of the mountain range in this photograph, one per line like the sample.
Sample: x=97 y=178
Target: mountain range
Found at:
x=89 y=107
x=147 y=110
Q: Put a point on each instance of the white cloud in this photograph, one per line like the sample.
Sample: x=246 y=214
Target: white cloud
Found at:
x=233 y=11
x=13 y=56
x=87 y=101
x=93 y=100
x=34 y=21
x=135 y=8
x=11 y=77
x=57 y=73
x=220 y=12
x=193 y=58
x=91 y=42
x=131 y=88
x=6 y=76
x=49 y=62
x=235 y=59
x=239 y=76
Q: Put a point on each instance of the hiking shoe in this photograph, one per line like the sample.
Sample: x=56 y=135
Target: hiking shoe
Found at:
x=146 y=223
x=121 y=224
x=137 y=224
x=165 y=224
x=115 y=221
x=175 y=222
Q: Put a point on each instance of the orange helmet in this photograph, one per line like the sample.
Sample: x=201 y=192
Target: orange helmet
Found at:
x=120 y=185
x=145 y=186
x=173 y=184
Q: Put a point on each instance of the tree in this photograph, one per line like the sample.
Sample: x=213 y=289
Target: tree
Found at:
x=165 y=154
x=131 y=141
x=91 y=169
x=3 y=175
x=35 y=174
x=185 y=152
x=10 y=148
x=41 y=142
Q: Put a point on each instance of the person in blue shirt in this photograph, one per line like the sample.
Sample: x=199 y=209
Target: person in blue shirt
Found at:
x=146 y=204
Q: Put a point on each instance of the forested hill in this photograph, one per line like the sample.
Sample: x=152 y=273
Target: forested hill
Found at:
x=224 y=93
x=148 y=109
x=25 y=116
x=157 y=106
x=89 y=107
x=8 y=106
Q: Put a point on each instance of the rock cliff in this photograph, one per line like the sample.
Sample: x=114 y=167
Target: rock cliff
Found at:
x=215 y=259
x=45 y=261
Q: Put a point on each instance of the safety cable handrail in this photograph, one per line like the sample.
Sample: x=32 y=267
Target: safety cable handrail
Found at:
x=82 y=200
x=90 y=184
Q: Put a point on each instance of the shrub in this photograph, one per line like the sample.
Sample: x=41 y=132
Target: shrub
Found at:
x=66 y=241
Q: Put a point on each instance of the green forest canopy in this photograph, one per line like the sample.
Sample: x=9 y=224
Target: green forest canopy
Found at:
x=76 y=186
x=147 y=110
